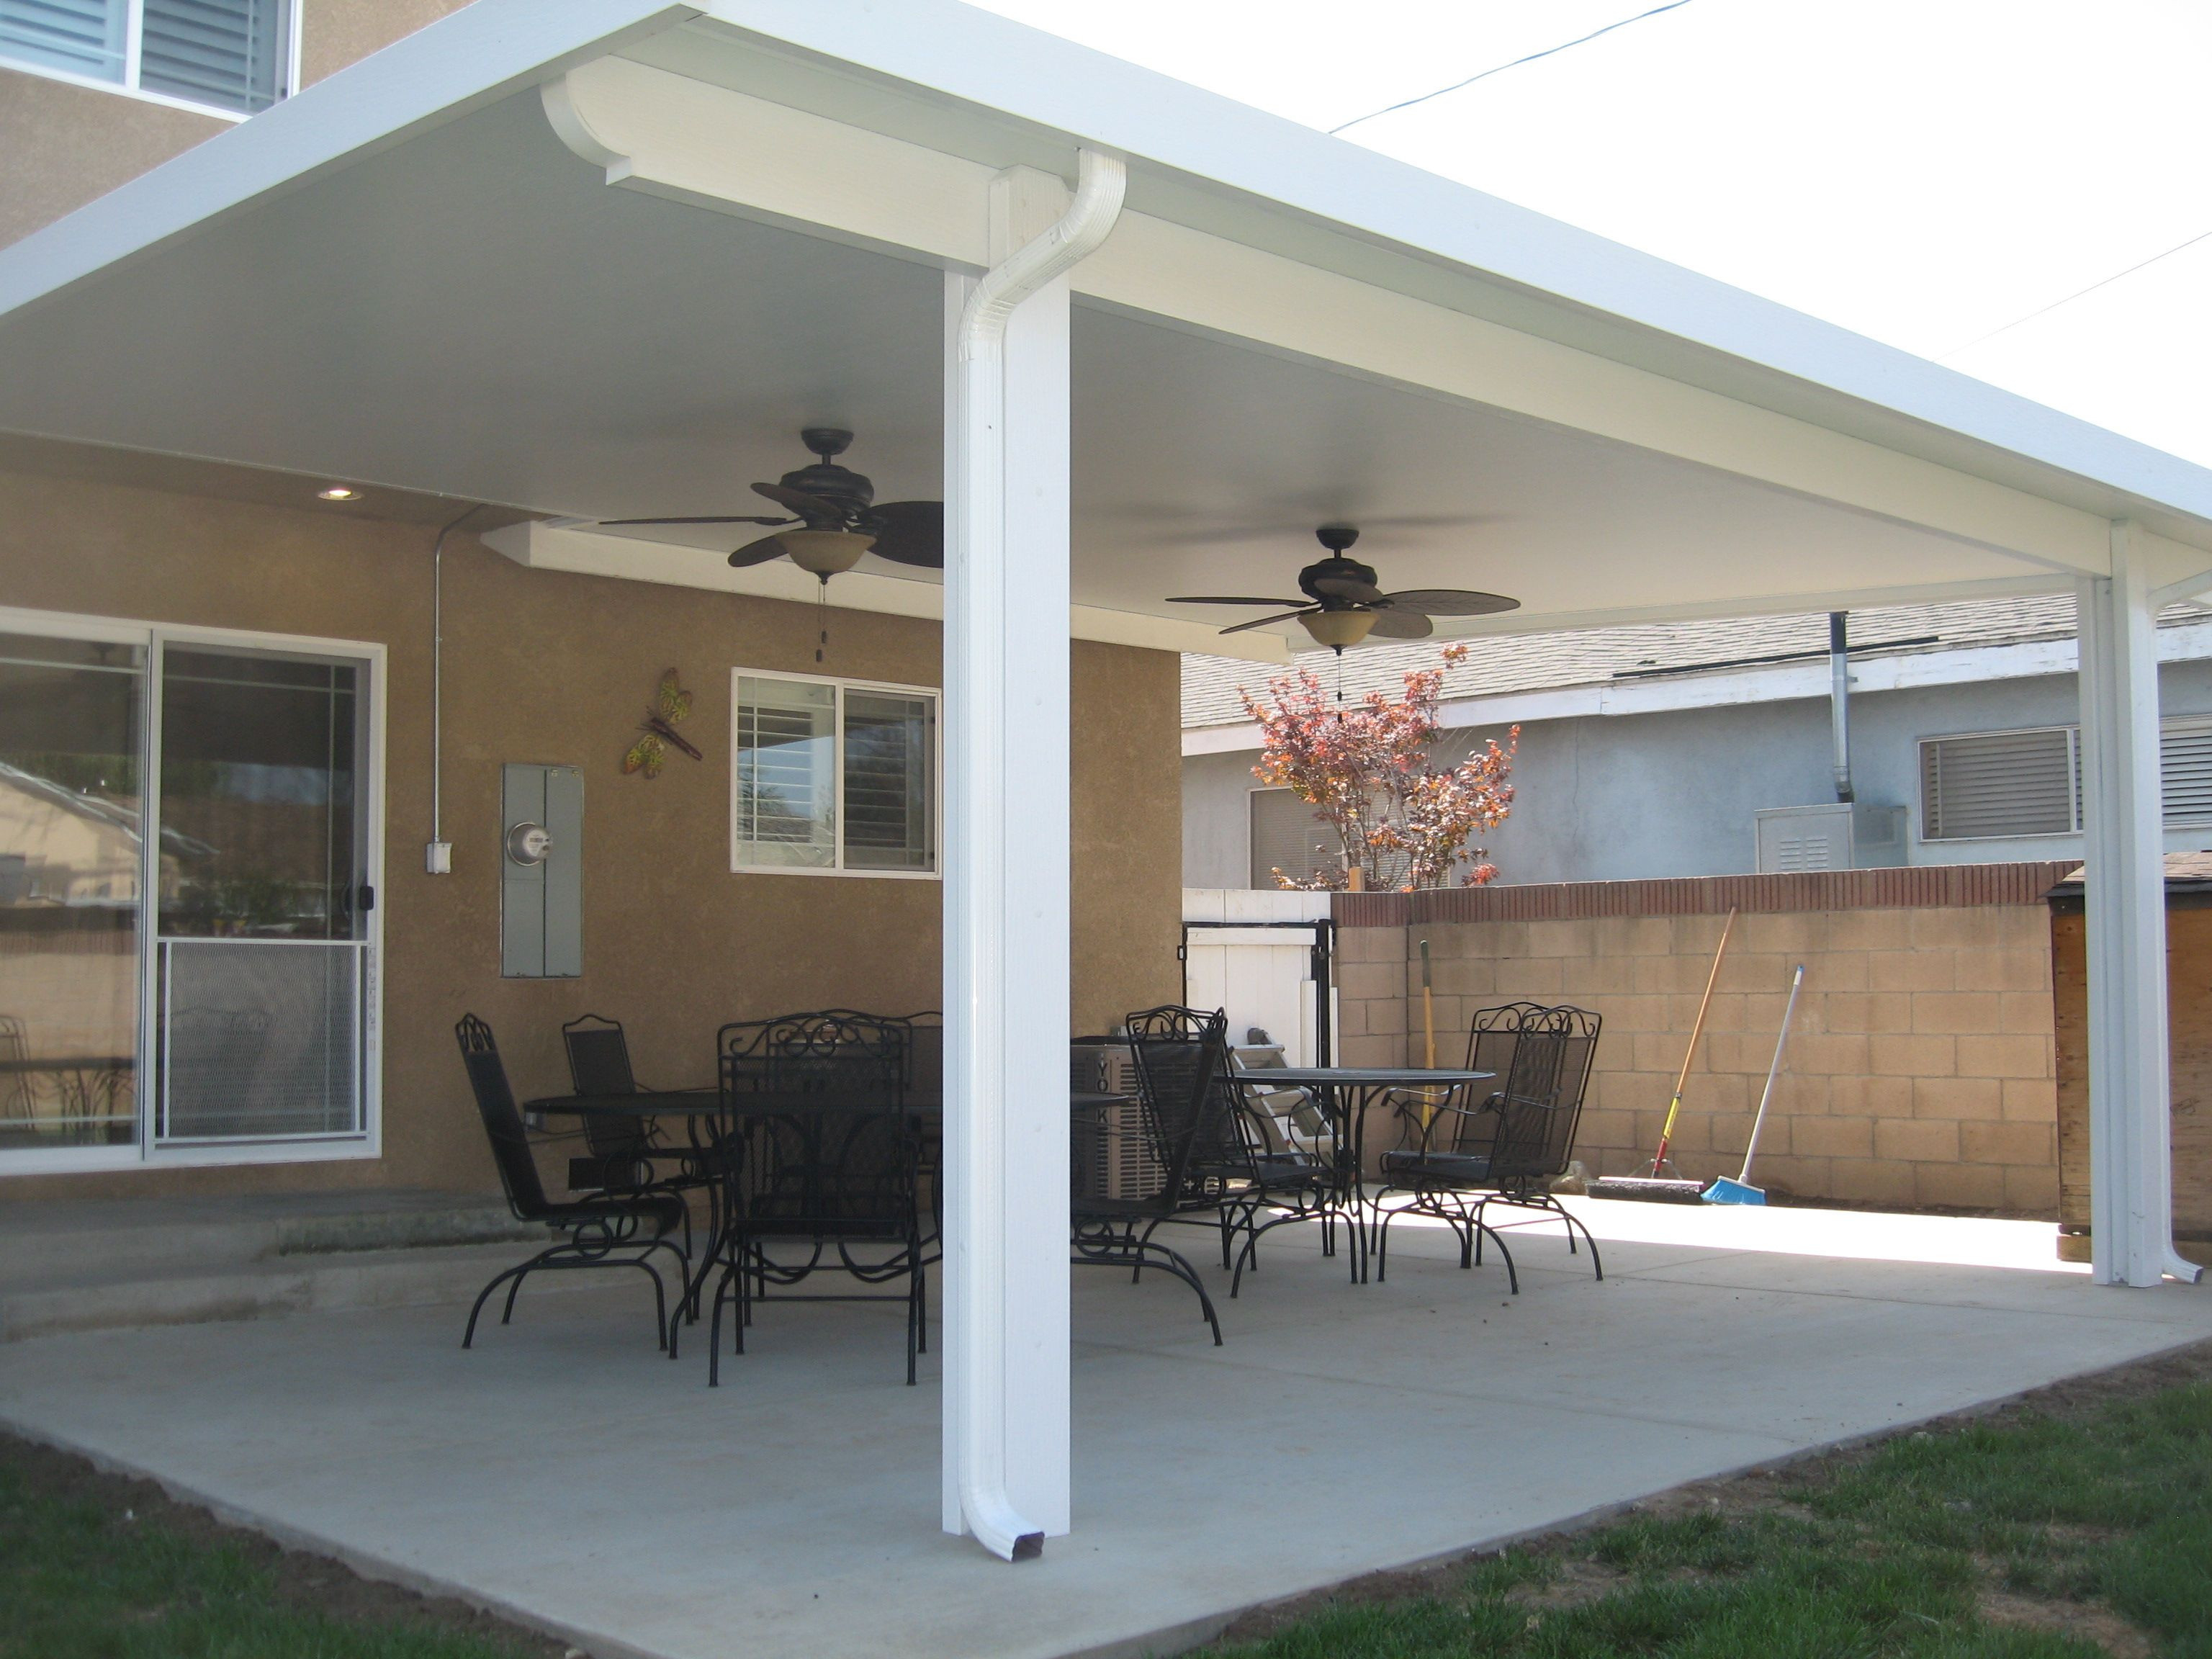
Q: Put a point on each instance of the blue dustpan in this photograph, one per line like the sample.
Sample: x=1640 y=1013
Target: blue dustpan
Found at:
x=1725 y=1191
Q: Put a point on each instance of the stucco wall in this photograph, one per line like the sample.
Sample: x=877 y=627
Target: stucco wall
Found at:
x=1920 y=1070
x=1624 y=798
x=547 y=667
x=62 y=144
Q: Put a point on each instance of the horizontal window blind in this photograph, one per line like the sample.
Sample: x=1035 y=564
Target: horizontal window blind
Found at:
x=2186 y=766
x=84 y=37
x=1998 y=783
x=1286 y=836
x=226 y=52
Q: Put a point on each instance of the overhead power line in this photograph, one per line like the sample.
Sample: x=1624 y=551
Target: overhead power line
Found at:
x=2102 y=282
x=1388 y=109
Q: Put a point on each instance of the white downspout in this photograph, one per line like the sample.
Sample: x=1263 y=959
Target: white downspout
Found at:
x=980 y=506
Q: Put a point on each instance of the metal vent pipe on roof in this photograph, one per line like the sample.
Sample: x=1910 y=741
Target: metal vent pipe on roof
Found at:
x=1839 y=700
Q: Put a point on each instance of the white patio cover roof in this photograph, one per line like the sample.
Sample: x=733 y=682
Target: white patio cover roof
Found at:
x=601 y=258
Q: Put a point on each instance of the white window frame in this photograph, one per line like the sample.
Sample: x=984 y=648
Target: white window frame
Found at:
x=128 y=86
x=841 y=685
x=144 y=1153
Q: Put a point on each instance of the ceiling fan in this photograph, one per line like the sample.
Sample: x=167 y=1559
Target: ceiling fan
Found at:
x=1343 y=605
x=832 y=517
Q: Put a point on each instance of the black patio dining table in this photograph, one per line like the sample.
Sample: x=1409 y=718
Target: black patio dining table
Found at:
x=705 y=1112
x=1345 y=1095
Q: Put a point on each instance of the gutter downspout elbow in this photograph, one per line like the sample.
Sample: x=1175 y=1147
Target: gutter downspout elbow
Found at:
x=1102 y=183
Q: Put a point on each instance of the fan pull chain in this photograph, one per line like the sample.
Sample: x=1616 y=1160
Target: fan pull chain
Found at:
x=822 y=615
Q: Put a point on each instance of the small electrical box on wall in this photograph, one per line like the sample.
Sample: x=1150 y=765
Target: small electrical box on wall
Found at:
x=541 y=927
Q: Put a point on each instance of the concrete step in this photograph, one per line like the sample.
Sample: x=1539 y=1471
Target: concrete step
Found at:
x=125 y=1239
x=275 y=1287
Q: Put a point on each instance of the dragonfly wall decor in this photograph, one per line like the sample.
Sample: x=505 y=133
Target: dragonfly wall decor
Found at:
x=672 y=707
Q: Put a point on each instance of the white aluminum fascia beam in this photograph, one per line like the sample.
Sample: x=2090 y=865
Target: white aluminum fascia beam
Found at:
x=661 y=133
x=2130 y=1152
x=543 y=545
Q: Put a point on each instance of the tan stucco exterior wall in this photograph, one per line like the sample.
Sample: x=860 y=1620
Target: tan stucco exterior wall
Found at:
x=62 y=144
x=547 y=667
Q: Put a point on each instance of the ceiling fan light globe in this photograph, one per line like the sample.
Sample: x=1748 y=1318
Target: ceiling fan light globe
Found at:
x=1339 y=628
x=825 y=553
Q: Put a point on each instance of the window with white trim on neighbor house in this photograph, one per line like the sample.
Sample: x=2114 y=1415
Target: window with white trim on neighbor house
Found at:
x=832 y=777
x=1987 y=786
x=230 y=55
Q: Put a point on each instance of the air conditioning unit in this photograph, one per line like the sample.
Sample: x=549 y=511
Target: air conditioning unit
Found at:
x=1836 y=836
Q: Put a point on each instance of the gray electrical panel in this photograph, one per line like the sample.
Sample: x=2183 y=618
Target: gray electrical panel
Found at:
x=540 y=930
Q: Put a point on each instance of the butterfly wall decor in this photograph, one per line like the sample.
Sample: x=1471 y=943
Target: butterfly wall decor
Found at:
x=672 y=707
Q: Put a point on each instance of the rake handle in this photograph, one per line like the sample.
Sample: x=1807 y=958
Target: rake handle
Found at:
x=1690 y=1054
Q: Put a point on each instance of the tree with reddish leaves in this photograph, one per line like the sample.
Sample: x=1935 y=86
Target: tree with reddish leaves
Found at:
x=1402 y=822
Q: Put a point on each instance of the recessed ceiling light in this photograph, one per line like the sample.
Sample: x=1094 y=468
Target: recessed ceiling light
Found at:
x=339 y=493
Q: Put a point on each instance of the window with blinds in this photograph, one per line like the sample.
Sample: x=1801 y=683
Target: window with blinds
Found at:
x=1287 y=836
x=1984 y=785
x=831 y=775
x=1988 y=785
x=228 y=54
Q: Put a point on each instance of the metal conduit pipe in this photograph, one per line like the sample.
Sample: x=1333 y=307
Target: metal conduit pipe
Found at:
x=438 y=853
x=1839 y=700
x=1101 y=182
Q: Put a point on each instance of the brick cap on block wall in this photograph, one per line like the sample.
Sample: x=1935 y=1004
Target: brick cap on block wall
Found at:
x=1924 y=887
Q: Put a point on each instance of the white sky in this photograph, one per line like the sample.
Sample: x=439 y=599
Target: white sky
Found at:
x=1921 y=171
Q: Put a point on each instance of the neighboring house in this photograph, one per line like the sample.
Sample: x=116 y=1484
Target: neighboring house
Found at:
x=1649 y=751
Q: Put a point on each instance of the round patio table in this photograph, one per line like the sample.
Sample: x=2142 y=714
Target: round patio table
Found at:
x=1345 y=1094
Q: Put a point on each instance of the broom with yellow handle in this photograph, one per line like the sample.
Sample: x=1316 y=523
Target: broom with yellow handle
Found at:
x=1653 y=1184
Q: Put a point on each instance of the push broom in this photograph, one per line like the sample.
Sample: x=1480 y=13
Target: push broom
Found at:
x=1739 y=1190
x=1653 y=1185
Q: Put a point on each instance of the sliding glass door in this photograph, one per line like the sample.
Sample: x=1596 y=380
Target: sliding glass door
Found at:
x=187 y=935
x=263 y=915
x=72 y=806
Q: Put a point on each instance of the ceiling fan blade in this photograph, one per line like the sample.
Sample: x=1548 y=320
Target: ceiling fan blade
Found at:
x=1348 y=588
x=734 y=517
x=1262 y=621
x=759 y=552
x=1452 y=602
x=911 y=532
x=1401 y=625
x=809 y=508
x=1222 y=598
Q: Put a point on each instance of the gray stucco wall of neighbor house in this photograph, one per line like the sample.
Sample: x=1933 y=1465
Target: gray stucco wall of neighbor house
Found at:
x=1632 y=797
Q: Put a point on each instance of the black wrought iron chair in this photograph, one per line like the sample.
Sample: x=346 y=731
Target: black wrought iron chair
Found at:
x=1458 y=1156
x=607 y=1230
x=625 y=1151
x=1118 y=1198
x=831 y=1176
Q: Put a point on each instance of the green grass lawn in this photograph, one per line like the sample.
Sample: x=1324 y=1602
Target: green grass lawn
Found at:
x=2053 y=1533
x=93 y=1567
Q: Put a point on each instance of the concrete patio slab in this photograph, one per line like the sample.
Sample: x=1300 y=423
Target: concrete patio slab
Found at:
x=565 y=1473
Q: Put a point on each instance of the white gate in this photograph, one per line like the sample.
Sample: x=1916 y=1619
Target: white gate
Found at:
x=1264 y=958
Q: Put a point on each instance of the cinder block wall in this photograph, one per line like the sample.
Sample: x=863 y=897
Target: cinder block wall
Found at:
x=1921 y=1067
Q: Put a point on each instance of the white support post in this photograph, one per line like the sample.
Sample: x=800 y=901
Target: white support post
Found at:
x=2123 y=823
x=1005 y=1286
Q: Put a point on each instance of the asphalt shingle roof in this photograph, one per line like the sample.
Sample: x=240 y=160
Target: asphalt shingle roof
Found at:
x=1545 y=662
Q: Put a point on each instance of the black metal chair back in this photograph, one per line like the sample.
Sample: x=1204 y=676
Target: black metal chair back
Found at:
x=599 y=1064
x=925 y=1059
x=502 y=1121
x=832 y=1172
x=1541 y=1104
x=863 y=1058
x=1190 y=1098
